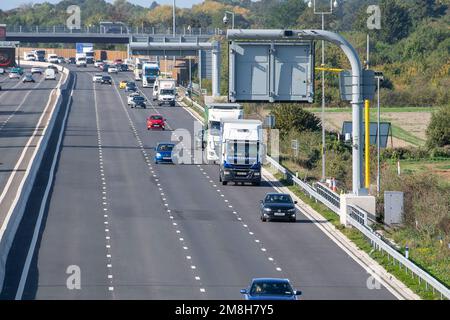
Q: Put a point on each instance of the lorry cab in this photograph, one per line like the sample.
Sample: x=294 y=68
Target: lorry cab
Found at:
x=214 y=114
x=241 y=151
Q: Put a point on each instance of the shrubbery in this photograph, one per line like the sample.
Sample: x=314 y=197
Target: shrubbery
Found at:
x=438 y=131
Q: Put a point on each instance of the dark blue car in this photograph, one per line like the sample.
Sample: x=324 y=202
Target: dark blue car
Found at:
x=164 y=152
x=270 y=289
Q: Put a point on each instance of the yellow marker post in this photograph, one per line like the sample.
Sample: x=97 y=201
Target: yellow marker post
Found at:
x=367 y=143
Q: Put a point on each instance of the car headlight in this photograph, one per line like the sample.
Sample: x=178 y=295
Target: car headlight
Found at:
x=226 y=172
x=256 y=173
x=267 y=209
x=158 y=155
x=291 y=210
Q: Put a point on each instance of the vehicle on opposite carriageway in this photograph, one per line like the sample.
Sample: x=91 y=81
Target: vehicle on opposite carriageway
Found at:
x=53 y=67
x=50 y=74
x=28 y=77
x=36 y=70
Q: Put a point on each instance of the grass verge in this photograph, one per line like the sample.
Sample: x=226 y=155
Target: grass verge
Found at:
x=362 y=242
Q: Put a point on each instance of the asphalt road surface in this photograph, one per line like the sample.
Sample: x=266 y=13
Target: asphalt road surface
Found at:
x=138 y=230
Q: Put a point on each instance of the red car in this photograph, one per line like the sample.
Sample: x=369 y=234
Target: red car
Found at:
x=156 y=121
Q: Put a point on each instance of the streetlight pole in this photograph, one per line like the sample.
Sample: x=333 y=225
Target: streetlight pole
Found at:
x=232 y=18
x=323 y=103
x=323 y=13
x=173 y=19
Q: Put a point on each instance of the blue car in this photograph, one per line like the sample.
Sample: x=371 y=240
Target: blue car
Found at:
x=270 y=289
x=164 y=152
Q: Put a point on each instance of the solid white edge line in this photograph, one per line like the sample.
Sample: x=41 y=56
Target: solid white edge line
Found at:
x=351 y=254
x=26 y=268
x=366 y=267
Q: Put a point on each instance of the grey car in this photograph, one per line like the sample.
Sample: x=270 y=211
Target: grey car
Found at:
x=278 y=206
x=138 y=101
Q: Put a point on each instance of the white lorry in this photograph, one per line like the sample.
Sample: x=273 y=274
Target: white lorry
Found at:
x=242 y=151
x=137 y=69
x=164 y=91
x=214 y=114
x=80 y=59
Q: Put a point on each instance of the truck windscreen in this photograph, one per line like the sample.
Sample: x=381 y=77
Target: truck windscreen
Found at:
x=166 y=92
x=242 y=152
x=151 y=72
x=214 y=127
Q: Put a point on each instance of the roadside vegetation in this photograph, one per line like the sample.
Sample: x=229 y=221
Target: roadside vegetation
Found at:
x=412 y=49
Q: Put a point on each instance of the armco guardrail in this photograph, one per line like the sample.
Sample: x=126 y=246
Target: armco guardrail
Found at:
x=9 y=230
x=359 y=219
x=311 y=191
x=398 y=258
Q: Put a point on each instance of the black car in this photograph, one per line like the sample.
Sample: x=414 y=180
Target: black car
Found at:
x=130 y=86
x=105 y=67
x=278 y=206
x=106 y=80
x=72 y=60
x=123 y=67
x=138 y=101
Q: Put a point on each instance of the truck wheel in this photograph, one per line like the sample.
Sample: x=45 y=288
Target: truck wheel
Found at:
x=263 y=219
x=224 y=183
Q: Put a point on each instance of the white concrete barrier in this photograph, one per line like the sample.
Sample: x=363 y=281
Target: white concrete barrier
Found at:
x=9 y=226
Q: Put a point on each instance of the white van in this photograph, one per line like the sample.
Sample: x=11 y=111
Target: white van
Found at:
x=164 y=91
x=52 y=58
x=50 y=74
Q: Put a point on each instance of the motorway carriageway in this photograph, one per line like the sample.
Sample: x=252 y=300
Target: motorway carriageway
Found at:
x=137 y=230
x=21 y=108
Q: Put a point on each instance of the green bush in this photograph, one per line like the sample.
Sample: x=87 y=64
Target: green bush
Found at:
x=293 y=116
x=438 y=131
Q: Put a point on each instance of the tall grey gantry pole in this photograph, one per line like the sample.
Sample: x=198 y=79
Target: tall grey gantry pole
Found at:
x=356 y=72
x=323 y=13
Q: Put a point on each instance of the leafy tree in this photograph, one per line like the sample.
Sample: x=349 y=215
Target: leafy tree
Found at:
x=438 y=131
x=284 y=14
x=422 y=9
x=395 y=22
x=293 y=116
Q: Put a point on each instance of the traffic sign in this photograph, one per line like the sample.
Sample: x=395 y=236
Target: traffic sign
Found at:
x=368 y=85
x=271 y=71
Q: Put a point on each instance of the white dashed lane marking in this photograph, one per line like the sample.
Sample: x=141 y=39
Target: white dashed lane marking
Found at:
x=153 y=174
x=244 y=225
x=104 y=200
